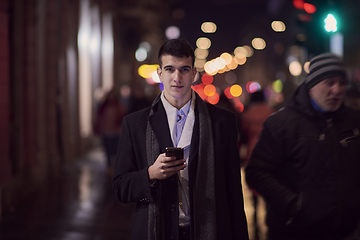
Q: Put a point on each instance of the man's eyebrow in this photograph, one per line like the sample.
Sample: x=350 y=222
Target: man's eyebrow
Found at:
x=185 y=66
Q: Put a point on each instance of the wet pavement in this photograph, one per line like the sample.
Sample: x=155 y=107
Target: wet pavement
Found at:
x=80 y=206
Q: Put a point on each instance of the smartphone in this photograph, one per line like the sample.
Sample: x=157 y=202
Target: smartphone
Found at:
x=174 y=151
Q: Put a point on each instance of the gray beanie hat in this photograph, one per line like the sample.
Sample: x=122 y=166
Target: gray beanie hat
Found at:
x=324 y=66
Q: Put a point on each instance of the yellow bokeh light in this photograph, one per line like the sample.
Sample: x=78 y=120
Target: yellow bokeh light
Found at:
x=208 y=27
x=240 y=58
x=146 y=71
x=241 y=50
x=258 y=43
x=201 y=53
x=249 y=50
x=227 y=57
x=199 y=63
x=203 y=43
x=306 y=67
x=236 y=90
x=278 y=26
x=295 y=68
x=209 y=90
x=233 y=65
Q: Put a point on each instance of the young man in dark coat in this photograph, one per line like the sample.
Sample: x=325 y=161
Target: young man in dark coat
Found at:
x=306 y=163
x=200 y=199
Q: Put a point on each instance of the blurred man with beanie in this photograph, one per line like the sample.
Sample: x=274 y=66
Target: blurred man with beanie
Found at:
x=306 y=163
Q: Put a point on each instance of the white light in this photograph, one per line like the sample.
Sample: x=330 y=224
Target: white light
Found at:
x=140 y=54
x=295 y=68
x=172 y=32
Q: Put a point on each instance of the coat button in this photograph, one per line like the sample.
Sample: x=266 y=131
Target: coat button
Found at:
x=173 y=208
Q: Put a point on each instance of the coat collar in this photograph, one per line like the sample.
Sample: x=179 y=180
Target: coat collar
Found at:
x=159 y=123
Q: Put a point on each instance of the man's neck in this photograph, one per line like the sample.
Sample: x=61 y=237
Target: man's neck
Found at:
x=178 y=104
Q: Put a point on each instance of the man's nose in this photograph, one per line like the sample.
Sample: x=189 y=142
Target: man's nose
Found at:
x=177 y=75
x=338 y=88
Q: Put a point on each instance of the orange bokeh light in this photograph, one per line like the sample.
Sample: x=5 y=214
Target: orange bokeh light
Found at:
x=214 y=99
x=209 y=90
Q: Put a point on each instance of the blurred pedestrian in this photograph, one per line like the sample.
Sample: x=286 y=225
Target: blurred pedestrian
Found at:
x=200 y=199
x=108 y=124
x=306 y=163
x=252 y=120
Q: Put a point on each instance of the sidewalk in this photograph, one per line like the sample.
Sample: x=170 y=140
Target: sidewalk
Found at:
x=80 y=206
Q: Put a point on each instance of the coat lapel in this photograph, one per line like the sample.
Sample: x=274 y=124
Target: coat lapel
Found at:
x=159 y=124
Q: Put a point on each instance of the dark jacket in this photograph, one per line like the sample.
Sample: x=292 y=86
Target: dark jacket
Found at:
x=131 y=182
x=307 y=166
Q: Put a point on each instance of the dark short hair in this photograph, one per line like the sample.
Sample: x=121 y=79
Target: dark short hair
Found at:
x=177 y=48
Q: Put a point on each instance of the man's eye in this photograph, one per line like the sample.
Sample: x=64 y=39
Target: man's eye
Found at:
x=185 y=70
x=169 y=69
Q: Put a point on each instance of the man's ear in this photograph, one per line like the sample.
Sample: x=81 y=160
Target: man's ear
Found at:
x=194 y=73
x=159 y=73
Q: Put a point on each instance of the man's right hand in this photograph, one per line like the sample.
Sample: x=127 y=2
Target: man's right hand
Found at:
x=165 y=167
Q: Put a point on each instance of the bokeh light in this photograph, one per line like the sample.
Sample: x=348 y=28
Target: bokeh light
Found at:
x=277 y=86
x=239 y=106
x=295 y=68
x=146 y=46
x=208 y=27
x=307 y=67
x=258 y=43
x=146 y=71
x=227 y=57
x=278 y=26
x=209 y=90
x=213 y=99
x=199 y=64
x=240 y=58
x=201 y=53
x=203 y=43
x=231 y=78
x=220 y=63
x=228 y=93
x=236 y=90
x=252 y=87
x=207 y=79
x=250 y=51
x=172 y=32
x=309 y=8
x=141 y=54
x=210 y=68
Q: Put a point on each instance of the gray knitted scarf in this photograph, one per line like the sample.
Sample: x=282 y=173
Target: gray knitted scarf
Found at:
x=204 y=210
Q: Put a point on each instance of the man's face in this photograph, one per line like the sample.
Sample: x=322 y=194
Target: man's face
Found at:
x=177 y=75
x=329 y=93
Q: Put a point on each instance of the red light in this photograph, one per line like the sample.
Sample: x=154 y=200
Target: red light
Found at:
x=309 y=8
x=239 y=106
x=298 y=4
x=207 y=79
x=228 y=93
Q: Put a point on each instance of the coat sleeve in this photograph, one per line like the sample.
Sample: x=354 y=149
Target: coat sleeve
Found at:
x=234 y=186
x=131 y=179
x=261 y=173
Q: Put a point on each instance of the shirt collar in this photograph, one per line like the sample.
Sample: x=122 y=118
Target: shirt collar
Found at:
x=171 y=110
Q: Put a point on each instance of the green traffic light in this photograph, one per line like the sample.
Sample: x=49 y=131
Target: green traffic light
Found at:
x=330 y=23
